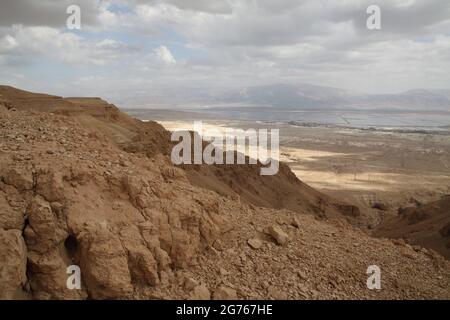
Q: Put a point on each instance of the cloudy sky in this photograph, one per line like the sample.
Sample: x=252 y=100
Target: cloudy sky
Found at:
x=154 y=49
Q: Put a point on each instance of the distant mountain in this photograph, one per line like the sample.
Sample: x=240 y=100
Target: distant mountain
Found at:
x=306 y=96
x=287 y=96
x=420 y=100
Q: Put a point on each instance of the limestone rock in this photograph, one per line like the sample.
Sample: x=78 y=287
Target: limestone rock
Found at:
x=104 y=266
x=10 y=218
x=19 y=178
x=255 y=243
x=278 y=234
x=13 y=265
x=296 y=222
x=49 y=185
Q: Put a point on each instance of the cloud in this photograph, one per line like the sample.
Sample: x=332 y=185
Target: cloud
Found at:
x=34 y=43
x=164 y=55
x=210 y=6
x=8 y=43
x=227 y=43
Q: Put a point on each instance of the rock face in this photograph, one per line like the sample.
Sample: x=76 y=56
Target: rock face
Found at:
x=107 y=199
x=128 y=228
x=427 y=225
x=13 y=256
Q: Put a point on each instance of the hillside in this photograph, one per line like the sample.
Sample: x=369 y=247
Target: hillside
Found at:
x=82 y=183
x=283 y=190
x=427 y=225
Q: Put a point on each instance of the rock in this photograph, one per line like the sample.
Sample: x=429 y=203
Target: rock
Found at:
x=190 y=283
x=380 y=206
x=255 y=243
x=200 y=292
x=57 y=207
x=302 y=275
x=223 y=272
x=142 y=265
x=163 y=259
x=20 y=179
x=218 y=245
x=13 y=266
x=295 y=222
x=225 y=293
x=44 y=231
x=276 y=294
x=279 y=235
x=50 y=186
x=164 y=279
x=10 y=218
x=104 y=265
x=445 y=230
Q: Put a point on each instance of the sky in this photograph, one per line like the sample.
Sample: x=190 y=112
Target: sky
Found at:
x=127 y=50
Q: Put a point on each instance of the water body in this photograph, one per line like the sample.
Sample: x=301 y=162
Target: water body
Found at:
x=357 y=119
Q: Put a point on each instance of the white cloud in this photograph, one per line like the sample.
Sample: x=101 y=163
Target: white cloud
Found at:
x=31 y=43
x=235 y=43
x=164 y=55
x=7 y=43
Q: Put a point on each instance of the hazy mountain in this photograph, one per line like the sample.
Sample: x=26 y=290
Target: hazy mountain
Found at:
x=289 y=97
x=419 y=99
x=306 y=96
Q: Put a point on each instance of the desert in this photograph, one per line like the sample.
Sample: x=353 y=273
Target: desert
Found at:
x=84 y=183
x=382 y=172
x=204 y=158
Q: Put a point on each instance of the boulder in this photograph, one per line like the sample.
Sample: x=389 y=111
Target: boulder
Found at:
x=279 y=235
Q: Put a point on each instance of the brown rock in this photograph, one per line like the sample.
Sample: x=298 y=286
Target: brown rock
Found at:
x=190 y=283
x=200 y=292
x=223 y=271
x=19 y=178
x=50 y=186
x=13 y=266
x=276 y=294
x=104 y=265
x=225 y=293
x=255 y=243
x=10 y=218
x=279 y=235
x=44 y=231
x=295 y=222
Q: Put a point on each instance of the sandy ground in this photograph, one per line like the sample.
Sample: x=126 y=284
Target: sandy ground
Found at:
x=360 y=166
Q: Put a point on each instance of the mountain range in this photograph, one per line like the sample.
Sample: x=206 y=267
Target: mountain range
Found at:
x=296 y=97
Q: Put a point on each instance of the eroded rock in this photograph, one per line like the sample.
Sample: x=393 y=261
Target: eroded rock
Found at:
x=13 y=265
x=279 y=235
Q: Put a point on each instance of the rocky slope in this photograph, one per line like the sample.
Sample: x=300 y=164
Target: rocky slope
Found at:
x=81 y=183
x=427 y=225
